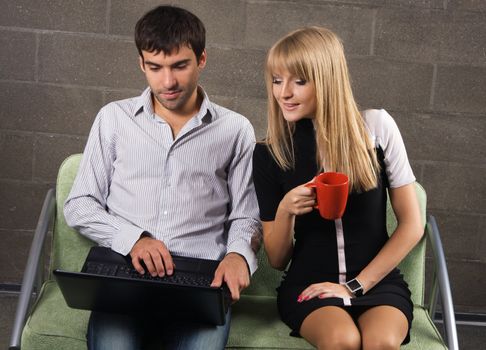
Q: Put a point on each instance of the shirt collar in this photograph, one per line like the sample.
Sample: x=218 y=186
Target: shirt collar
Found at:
x=144 y=102
x=206 y=111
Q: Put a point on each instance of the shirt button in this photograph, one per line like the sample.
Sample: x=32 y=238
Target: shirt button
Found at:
x=165 y=212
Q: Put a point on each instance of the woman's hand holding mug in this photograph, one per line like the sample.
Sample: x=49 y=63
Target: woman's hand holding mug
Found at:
x=331 y=194
x=300 y=200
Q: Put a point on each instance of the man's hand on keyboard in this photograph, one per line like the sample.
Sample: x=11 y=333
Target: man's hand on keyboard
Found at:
x=154 y=255
x=234 y=271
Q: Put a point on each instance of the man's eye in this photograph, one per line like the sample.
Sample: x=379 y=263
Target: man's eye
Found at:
x=181 y=66
x=154 y=69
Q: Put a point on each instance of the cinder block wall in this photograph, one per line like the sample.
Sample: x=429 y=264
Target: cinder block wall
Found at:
x=424 y=61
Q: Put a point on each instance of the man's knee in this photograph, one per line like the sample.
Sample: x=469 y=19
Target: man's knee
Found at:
x=200 y=341
x=112 y=331
x=196 y=336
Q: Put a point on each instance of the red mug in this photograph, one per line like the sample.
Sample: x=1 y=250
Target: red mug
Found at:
x=331 y=194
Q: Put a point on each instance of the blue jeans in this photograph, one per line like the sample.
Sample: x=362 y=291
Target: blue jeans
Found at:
x=122 y=332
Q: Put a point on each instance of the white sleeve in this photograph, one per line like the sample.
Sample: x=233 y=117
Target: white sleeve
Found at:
x=244 y=227
x=85 y=208
x=386 y=134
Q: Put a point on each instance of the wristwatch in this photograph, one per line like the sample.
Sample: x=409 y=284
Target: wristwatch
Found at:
x=355 y=287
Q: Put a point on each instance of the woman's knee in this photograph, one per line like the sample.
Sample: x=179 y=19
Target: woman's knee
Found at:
x=331 y=327
x=383 y=327
x=339 y=339
x=381 y=342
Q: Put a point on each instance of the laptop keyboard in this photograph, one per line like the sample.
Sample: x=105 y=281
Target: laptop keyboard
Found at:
x=177 y=278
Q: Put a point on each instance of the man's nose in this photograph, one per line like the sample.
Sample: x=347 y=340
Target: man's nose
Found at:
x=169 y=80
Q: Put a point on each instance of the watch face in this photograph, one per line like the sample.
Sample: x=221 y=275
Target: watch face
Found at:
x=354 y=285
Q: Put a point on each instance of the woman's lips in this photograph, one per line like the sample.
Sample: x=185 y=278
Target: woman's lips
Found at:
x=290 y=106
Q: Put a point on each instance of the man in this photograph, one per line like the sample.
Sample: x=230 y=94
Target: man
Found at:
x=165 y=173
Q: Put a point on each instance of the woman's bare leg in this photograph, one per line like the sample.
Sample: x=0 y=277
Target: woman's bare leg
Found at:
x=331 y=327
x=382 y=327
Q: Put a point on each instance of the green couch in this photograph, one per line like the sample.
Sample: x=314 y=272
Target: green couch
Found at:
x=44 y=321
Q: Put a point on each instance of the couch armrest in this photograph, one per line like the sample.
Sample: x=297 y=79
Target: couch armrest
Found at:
x=34 y=270
x=441 y=284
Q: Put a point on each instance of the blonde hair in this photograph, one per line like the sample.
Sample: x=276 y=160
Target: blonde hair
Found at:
x=343 y=144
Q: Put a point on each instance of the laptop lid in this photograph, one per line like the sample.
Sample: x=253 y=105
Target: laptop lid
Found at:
x=90 y=291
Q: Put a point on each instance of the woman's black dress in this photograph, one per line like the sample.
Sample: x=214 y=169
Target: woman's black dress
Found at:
x=326 y=250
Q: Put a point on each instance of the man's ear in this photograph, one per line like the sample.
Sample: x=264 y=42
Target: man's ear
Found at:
x=142 y=63
x=202 y=60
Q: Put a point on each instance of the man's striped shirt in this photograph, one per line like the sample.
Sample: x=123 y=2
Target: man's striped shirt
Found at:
x=195 y=192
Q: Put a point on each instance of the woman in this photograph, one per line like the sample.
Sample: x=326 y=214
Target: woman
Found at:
x=342 y=289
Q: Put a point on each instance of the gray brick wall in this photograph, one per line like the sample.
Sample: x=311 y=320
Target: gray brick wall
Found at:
x=424 y=61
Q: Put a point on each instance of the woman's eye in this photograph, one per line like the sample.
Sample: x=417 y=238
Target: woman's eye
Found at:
x=301 y=82
x=276 y=81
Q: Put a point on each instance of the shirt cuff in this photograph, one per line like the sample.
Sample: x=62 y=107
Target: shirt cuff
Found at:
x=245 y=250
x=125 y=239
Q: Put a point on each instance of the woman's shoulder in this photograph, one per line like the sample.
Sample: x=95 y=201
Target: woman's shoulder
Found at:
x=376 y=119
x=380 y=124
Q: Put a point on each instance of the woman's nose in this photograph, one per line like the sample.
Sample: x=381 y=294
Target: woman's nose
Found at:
x=286 y=91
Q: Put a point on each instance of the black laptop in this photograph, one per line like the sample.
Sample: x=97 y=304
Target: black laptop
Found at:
x=108 y=282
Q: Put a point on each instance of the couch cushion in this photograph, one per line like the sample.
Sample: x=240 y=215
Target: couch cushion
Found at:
x=53 y=324
x=69 y=248
x=413 y=266
x=265 y=279
x=424 y=335
x=255 y=324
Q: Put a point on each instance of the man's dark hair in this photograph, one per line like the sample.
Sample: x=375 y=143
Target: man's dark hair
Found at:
x=167 y=28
